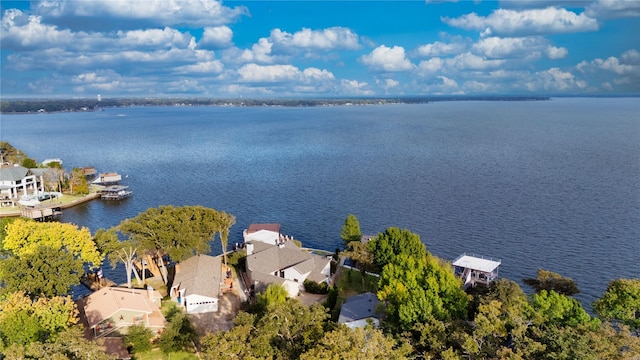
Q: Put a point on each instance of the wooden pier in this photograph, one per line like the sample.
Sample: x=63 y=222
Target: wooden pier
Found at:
x=41 y=213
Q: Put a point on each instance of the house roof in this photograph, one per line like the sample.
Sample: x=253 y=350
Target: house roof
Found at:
x=476 y=263
x=358 y=307
x=271 y=258
x=200 y=275
x=269 y=227
x=105 y=302
x=13 y=173
x=276 y=257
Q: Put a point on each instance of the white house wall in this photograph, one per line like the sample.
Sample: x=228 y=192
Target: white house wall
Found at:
x=293 y=288
x=265 y=236
x=293 y=274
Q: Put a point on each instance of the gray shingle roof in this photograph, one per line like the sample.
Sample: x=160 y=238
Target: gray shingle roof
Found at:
x=13 y=173
x=200 y=275
x=359 y=307
x=268 y=259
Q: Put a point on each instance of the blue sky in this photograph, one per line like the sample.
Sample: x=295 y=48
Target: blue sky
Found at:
x=232 y=49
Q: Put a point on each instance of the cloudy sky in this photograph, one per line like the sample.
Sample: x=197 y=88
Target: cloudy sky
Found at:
x=210 y=48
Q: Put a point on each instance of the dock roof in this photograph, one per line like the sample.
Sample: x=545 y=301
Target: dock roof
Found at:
x=476 y=263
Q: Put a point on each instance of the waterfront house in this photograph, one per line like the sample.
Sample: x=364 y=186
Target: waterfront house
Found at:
x=197 y=284
x=359 y=310
x=473 y=270
x=18 y=180
x=266 y=233
x=285 y=264
x=110 y=311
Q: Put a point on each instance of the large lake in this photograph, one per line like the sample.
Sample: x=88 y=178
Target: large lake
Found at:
x=538 y=184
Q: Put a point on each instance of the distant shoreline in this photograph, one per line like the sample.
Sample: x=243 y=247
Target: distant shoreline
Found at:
x=35 y=106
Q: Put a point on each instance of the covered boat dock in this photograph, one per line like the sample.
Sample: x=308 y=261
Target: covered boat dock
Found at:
x=474 y=269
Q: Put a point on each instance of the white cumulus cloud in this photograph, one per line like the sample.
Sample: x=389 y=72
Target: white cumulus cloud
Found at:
x=611 y=9
x=550 y=20
x=517 y=47
x=158 y=12
x=216 y=37
x=325 y=39
x=205 y=67
x=28 y=32
x=439 y=48
x=384 y=58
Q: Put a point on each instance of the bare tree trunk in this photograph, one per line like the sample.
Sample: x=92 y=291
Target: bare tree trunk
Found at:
x=127 y=258
x=163 y=270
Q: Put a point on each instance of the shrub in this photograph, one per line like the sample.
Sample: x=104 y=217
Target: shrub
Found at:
x=138 y=339
x=316 y=288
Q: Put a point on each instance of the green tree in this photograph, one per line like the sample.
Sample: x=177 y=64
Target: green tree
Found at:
x=418 y=289
x=231 y=344
x=287 y=330
x=350 y=230
x=9 y=154
x=179 y=334
x=25 y=236
x=78 y=182
x=139 y=338
x=354 y=344
x=29 y=163
x=387 y=246
x=359 y=252
x=225 y=222
x=273 y=294
x=620 y=301
x=45 y=272
x=547 y=280
x=23 y=321
x=557 y=309
x=70 y=344
x=179 y=232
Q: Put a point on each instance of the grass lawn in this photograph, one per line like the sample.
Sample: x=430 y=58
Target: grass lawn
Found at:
x=349 y=284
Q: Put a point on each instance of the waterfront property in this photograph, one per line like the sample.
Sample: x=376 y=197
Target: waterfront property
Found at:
x=197 y=284
x=110 y=311
x=473 y=270
x=286 y=264
x=360 y=310
x=18 y=180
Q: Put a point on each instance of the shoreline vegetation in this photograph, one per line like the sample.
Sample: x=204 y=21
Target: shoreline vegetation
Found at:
x=29 y=106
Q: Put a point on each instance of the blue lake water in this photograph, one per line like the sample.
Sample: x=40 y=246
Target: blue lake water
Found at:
x=538 y=184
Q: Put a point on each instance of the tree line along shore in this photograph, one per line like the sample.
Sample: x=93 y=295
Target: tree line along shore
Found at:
x=26 y=106
x=425 y=313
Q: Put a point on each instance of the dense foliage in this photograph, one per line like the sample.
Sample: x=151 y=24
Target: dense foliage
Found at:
x=45 y=259
x=23 y=321
x=350 y=230
x=426 y=314
x=313 y=287
x=621 y=301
